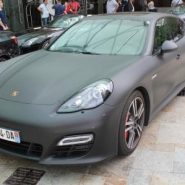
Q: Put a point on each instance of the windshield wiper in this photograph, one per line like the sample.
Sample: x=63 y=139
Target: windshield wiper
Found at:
x=88 y=53
x=76 y=49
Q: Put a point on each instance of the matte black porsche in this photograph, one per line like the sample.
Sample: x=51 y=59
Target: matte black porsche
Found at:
x=88 y=96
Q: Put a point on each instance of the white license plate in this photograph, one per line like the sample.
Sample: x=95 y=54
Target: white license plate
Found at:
x=10 y=135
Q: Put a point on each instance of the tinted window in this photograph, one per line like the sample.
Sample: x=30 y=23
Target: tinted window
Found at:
x=64 y=22
x=106 y=36
x=167 y=29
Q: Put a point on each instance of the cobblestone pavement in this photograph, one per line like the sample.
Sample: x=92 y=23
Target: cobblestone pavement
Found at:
x=158 y=160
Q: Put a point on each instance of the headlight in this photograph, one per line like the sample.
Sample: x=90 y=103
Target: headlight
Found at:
x=90 y=97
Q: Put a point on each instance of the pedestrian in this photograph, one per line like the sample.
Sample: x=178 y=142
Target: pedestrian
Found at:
x=112 y=6
x=151 y=6
x=119 y=6
x=176 y=3
x=75 y=5
x=59 y=8
x=43 y=9
x=68 y=7
x=3 y=19
x=129 y=7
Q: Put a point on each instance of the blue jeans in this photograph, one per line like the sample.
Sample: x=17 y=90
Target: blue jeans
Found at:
x=45 y=21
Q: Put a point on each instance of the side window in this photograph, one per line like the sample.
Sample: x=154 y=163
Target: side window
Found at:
x=161 y=33
x=169 y=28
x=179 y=29
x=176 y=28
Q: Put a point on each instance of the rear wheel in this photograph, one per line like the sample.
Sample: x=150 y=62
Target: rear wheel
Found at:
x=132 y=123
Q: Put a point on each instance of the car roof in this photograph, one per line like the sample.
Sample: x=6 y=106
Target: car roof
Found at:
x=139 y=16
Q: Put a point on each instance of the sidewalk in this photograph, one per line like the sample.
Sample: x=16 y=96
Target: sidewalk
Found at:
x=158 y=160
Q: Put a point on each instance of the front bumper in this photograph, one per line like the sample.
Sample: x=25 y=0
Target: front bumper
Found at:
x=41 y=127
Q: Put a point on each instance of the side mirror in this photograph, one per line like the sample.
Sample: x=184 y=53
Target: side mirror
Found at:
x=168 y=46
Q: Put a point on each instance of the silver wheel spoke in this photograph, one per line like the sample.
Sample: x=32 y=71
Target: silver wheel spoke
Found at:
x=129 y=128
x=138 y=132
x=129 y=123
x=140 y=111
x=134 y=107
x=139 y=127
x=131 y=139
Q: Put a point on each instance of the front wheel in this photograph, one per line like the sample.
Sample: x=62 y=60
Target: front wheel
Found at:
x=132 y=123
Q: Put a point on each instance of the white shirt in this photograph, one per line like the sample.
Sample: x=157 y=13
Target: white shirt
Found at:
x=176 y=2
x=45 y=11
x=133 y=8
x=112 y=6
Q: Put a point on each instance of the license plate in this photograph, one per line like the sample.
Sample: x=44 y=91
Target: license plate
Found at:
x=10 y=135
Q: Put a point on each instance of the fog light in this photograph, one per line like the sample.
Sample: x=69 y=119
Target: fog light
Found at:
x=76 y=139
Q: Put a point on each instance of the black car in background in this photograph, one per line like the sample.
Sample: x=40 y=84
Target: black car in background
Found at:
x=8 y=45
x=37 y=38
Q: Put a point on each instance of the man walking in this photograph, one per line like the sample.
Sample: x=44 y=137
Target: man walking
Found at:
x=175 y=3
x=129 y=7
x=59 y=8
x=3 y=19
x=112 y=6
x=43 y=9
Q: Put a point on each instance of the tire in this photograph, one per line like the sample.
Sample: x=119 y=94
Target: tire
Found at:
x=131 y=124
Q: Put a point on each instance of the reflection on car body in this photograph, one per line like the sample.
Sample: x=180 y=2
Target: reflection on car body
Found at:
x=88 y=96
x=38 y=37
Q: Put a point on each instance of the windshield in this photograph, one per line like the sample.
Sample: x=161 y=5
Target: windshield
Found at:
x=64 y=22
x=179 y=10
x=108 y=36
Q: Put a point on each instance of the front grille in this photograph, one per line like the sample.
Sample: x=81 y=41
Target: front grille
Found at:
x=72 y=150
x=23 y=148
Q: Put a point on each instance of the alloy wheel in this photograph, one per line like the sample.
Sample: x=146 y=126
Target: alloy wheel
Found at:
x=134 y=122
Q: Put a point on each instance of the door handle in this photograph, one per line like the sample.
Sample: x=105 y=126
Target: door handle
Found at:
x=178 y=56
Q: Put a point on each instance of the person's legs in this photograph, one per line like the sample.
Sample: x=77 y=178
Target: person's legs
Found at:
x=44 y=22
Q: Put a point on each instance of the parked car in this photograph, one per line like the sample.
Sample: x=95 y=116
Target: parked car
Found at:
x=88 y=96
x=8 y=45
x=178 y=11
x=35 y=39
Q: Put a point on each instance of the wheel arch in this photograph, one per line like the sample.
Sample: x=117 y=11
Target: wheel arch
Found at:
x=147 y=102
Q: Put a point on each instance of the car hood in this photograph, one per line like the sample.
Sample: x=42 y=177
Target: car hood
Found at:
x=43 y=32
x=45 y=77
